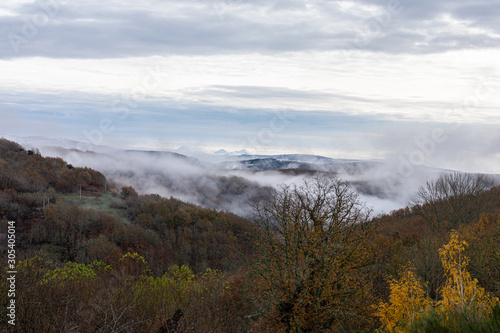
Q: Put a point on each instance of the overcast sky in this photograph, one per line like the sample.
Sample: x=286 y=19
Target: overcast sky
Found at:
x=408 y=80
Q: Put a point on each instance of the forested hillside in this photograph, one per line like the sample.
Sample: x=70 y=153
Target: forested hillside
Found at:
x=96 y=257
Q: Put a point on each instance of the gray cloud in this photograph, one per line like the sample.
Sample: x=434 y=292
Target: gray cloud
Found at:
x=276 y=93
x=465 y=147
x=93 y=30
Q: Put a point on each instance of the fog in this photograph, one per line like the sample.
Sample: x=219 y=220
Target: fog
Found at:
x=236 y=182
x=169 y=175
x=230 y=182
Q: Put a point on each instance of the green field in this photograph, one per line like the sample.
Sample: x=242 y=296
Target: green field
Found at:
x=102 y=204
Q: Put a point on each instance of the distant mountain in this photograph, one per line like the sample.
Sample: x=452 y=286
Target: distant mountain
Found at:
x=299 y=161
x=167 y=155
x=40 y=142
x=190 y=150
x=265 y=164
x=310 y=158
x=224 y=152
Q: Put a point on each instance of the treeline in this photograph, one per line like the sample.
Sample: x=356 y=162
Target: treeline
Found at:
x=441 y=270
x=29 y=180
x=165 y=231
x=122 y=296
x=311 y=260
x=29 y=172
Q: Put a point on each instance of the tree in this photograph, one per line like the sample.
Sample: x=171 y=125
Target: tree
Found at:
x=407 y=302
x=454 y=197
x=128 y=192
x=484 y=253
x=463 y=301
x=311 y=253
x=424 y=259
x=462 y=292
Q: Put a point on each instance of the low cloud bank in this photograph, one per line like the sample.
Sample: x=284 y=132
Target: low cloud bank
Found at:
x=210 y=185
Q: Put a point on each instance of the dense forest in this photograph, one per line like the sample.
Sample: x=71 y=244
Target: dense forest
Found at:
x=94 y=256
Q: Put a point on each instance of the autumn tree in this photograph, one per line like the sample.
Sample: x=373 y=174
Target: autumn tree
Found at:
x=424 y=257
x=455 y=198
x=483 y=238
x=407 y=302
x=128 y=192
x=464 y=303
x=311 y=255
x=462 y=292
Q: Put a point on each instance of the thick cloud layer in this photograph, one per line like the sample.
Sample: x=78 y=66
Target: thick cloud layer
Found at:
x=347 y=79
x=92 y=29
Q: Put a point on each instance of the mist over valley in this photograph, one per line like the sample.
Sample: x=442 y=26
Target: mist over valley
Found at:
x=235 y=181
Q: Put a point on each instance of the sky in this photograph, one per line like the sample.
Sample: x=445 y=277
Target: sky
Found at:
x=414 y=82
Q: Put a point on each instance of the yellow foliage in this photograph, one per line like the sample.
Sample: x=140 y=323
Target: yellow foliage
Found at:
x=408 y=301
x=134 y=257
x=35 y=261
x=180 y=288
x=134 y=264
x=76 y=271
x=462 y=292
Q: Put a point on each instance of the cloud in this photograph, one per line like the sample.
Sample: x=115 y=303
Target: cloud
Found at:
x=463 y=147
x=90 y=29
x=163 y=123
x=209 y=184
x=361 y=78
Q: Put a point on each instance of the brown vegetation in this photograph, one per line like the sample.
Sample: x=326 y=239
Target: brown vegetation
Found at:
x=312 y=260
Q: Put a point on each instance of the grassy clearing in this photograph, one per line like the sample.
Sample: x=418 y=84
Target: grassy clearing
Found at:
x=103 y=204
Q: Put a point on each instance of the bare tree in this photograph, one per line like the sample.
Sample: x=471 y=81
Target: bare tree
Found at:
x=453 y=197
x=312 y=250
